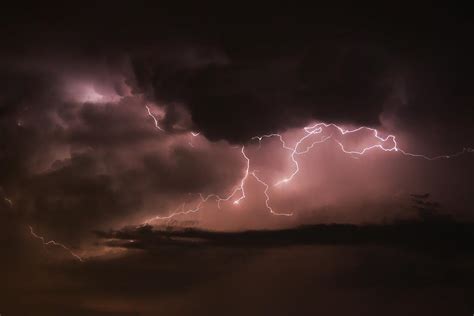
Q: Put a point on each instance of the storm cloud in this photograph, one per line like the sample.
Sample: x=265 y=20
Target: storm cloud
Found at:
x=113 y=117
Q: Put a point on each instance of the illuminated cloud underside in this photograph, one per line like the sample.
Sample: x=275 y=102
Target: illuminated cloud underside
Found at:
x=310 y=137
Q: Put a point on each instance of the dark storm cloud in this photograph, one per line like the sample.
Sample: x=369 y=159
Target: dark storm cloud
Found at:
x=238 y=73
x=79 y=154
x=82 y=164
x=281 y=73
x=252 y=95
x=254 y=70
x=113 y=166
x=18 y=144
x=423 y=234
x=108 y=126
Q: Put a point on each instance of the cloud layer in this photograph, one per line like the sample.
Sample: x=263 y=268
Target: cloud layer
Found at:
x=81 y=151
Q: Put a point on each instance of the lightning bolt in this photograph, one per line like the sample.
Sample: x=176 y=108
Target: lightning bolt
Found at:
x=216 y=197
x=154 y=118
x=238 y=194
x=296 y=150
x=318 y=129
x=242 y=182
x=267 y=197
x=54 y=243
x=193 y=134
x=177 y=213
x=50 y=242
x=375 y=132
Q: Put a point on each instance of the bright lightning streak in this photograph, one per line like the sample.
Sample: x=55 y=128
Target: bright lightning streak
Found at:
x=323 y=139
x=194 y=134
x=242 y=182
x=459 y=153
x=260 y=138
x=154 y=118
x=295 y=151
x=316 y=129
x=54 y=243
x=267 y=197
x=383 y=140
x=182 y=212
x=216 y=197
x=239 y=188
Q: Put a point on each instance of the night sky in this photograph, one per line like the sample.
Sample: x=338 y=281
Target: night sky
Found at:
x=238 y=159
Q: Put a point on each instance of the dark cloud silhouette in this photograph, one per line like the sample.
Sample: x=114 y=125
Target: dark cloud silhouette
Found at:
x=236 y=272
x=246 y=72
x=421 y=234
x=252 y=95
x=76 y=138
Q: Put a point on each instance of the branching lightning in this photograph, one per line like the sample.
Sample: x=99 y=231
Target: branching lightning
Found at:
x=176 y=212
x=334 y=132
x=326 y=131
x=267 y=197
x=318 y=129
x=54 y=243
x=50 y=242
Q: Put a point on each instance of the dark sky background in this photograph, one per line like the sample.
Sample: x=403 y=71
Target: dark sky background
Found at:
x=80 y=154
